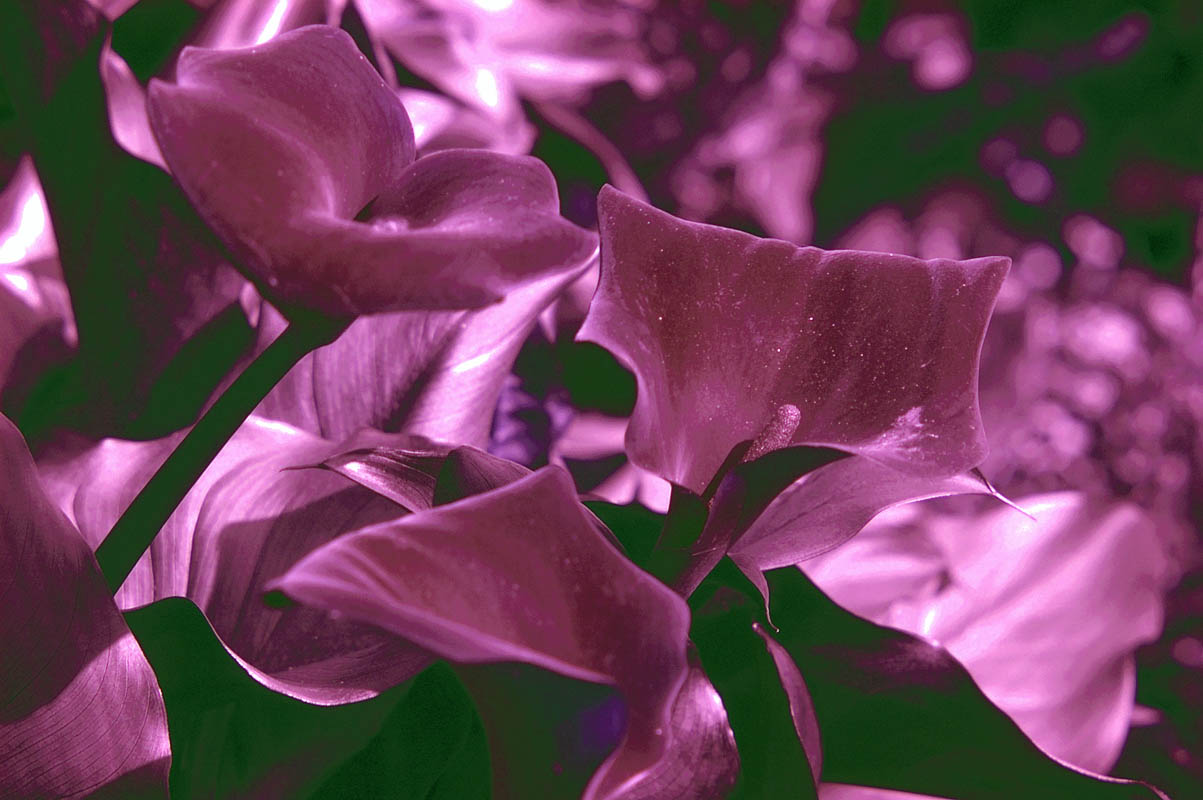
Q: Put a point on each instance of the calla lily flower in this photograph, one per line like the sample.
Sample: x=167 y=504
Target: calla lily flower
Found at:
x=245 y=521
x=734 y=339
x=535 y=582
x=80 y=712
x=1044 y=612
x=302 y=160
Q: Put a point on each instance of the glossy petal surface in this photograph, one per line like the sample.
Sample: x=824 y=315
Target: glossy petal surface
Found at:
x=1044 y=613
x=829 y=506
x=437 y=374
x=534 y=581
x=877 y=352
x=275 y=141
x=899 y=712
x=245 y=522
x=80 y=712
x=284 y=145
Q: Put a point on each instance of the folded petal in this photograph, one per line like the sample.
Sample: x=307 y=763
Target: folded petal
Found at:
x=80 y=712
x=520 y=573
x=898 y=712
x=829 y=506
x=282 y=147
x=1075 y=591
x=245 y=522
x=728 y=334
x=436 y=373
x=1044 y=612
x=702 y=760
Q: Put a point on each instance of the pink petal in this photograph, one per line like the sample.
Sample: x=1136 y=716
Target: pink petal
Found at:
x=436 y=374
x=244 y=23
x=245 y=522
x=829 y=506
x=273 y=140
x=80 y=711
x=1044 y=613
x=726 y=332
x=282 y=147
x=702 y=760
x=534 y=581
x=127 y=108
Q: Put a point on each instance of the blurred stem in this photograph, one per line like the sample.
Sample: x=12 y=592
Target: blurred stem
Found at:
x=149 y=511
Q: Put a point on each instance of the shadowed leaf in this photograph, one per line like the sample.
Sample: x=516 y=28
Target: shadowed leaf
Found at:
x=235 y=738
x=154 y=301
x=898 y=712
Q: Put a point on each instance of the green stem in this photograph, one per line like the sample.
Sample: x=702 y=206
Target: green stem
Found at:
x=149 y=511
x=682 y=525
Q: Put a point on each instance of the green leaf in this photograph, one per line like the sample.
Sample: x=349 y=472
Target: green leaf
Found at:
x=898 y=712
x=232 y=737
x=636 y=527
x=726 y=612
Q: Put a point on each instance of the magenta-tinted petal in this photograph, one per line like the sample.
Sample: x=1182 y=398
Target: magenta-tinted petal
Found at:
x=517 y=574
x=283 y=146
x=1074 y=591
x=127 y=108
x=272 y=141
x=437 y=374
x=829 y=506
x=244 y=23
x=1044 y=613
x=405 y=476
x=80 y=711
x=702 y=760
x=875 y=353
x=245 y=522
x=494 y=218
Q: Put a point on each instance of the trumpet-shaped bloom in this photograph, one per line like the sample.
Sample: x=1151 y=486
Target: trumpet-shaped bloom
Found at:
x=245 y=522
x=734 y=338
x=520 y=573
x=302 y=160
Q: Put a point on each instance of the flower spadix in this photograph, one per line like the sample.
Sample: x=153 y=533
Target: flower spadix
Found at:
x=730 y=336
x=301 y=158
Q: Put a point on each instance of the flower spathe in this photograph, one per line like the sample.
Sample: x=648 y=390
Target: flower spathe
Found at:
x=302 y=160
x=728 y=335
x=519 y=573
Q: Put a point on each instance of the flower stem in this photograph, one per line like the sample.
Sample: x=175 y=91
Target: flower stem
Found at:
x=149 y=511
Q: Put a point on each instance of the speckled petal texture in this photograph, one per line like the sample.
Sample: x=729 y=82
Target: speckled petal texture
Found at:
x=877 y=352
